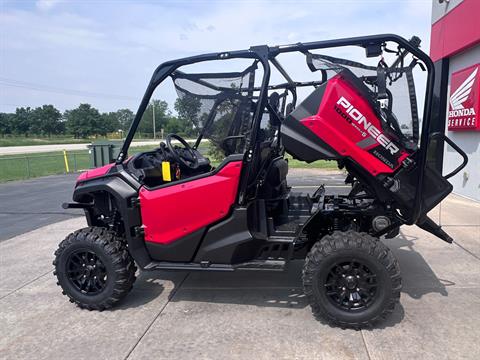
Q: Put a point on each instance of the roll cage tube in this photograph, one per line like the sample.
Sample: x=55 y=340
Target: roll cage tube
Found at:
x=266 y=54
x=160 y=74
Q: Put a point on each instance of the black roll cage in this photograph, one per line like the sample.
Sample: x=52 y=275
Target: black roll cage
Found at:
x=266 y=55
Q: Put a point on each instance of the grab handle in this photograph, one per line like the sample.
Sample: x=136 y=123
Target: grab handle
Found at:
x=456 y=148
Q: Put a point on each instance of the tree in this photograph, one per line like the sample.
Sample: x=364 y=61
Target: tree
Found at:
x=47 y=120
x=125 y=118
x=188 y=108
x=174 y=126
x=162 y=116
x=82 y=121
x=6 y=123
x=108 y=123
x=22 y=121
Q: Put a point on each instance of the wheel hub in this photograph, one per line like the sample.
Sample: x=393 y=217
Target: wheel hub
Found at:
x=351 y=282
x=86 y=272
x=351 y=285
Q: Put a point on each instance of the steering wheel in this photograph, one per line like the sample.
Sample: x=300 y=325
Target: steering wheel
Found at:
x=185 y=156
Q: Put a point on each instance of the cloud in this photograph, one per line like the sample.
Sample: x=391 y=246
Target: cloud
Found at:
x=46 y=5
x=31 y=31
x=115 y=48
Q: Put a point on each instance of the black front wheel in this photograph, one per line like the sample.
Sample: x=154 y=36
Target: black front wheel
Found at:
x=94 y=268
x=351 y=279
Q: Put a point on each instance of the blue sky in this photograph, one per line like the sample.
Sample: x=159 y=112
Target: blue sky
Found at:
x=104 y=52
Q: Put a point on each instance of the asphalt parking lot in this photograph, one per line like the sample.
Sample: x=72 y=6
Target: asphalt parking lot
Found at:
x=245 y=314
x=30 y=204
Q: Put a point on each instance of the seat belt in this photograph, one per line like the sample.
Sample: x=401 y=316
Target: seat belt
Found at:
x=381 y=81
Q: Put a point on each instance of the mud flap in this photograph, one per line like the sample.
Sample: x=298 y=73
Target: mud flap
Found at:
x=429 y=225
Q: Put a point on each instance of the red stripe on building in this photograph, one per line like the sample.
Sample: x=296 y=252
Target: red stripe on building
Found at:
x=457 y=30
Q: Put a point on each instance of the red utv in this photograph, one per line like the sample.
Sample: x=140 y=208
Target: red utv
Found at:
x=173 y=208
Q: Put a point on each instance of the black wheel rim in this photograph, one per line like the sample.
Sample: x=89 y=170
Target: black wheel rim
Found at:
x=351 y=285
x=86 y=272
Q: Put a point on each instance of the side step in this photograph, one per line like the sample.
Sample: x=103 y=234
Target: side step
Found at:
x=275 y=248
x=203 y=266
x=270 y=265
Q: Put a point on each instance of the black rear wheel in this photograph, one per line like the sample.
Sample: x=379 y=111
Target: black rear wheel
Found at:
x=94 y=268
x=351 y=285
x=351 y=279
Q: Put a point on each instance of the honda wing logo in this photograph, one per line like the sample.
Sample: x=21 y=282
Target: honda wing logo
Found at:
x=461 y=94
x=465 y=88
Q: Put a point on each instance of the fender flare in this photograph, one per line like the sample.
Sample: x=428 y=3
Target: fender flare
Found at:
x=125 y=196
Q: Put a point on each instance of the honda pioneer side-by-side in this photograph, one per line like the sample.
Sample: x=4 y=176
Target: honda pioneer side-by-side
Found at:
x=222 y=203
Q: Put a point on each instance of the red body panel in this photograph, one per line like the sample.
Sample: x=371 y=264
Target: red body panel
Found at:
x=347 y=122
x=178 y=210
x=93 y=173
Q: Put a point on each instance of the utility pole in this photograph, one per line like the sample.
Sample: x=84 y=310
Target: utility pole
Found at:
x=153 y=110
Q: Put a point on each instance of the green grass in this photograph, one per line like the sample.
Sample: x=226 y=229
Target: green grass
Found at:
x=18 y=167
x=320 y=164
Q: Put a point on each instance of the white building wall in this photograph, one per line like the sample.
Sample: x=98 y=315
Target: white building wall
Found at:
x=467 y=181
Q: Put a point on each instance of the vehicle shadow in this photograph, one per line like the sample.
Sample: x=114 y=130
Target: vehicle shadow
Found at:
x=277 y=289
x=149 y=286
x=417 y=276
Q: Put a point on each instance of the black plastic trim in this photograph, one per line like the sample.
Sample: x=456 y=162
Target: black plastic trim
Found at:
x=229 y=241
x=123 y=193
x=181 y=250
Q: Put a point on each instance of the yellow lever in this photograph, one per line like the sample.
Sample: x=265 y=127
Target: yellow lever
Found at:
x=166 y=173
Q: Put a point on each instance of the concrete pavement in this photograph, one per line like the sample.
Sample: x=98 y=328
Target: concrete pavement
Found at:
x=245 y=314
x=31 y=149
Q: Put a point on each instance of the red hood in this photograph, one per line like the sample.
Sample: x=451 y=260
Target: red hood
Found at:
x=93 y=173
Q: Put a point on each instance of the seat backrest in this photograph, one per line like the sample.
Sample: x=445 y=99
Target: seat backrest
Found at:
x=277 y=172
x=274 y=101
x=275 y=184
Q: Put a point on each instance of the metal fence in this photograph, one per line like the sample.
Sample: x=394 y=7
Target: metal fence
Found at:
x=30 y=166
